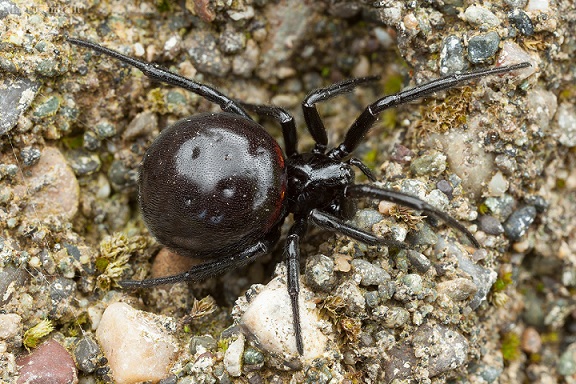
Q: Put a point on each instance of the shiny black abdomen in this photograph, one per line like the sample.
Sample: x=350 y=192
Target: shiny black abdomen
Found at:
x=211 y=183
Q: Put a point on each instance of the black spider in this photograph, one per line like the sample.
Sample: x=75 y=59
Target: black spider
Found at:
x=217 y=186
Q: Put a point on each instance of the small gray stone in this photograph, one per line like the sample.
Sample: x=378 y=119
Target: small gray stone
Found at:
x=104 y=130
x=452 y=56
x=519 y=221
x=396 y=317
x=516 y=3
x=447 y=349
x=320 y=272
x=11 y=280
x=352 y=297
x=122 y=177
x=205 y=342
x=430 y=163
x=521 y=21
x=567 y=362
x=483 y=47
x=366 y=218
x=30 y=155
x=418 y=260
x=457 y=289
x=83 y=162
x=371 y=274
x=490 y=225
x=90 y=141
x=16 y=95
x=204 y=53
x=566 y=117
x=231 y=41
x=412 y=283
x=501 y=207
x=253 y=357
x=88 y=355
x=481 y=16
x=8 y=8
x=142 y=124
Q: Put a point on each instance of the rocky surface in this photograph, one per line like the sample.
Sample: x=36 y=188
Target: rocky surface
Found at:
x=497 y=154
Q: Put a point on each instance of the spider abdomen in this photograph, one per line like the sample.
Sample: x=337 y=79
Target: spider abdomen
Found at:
x=211 y=182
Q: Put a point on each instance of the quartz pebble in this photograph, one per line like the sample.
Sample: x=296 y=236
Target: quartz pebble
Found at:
x=268 y=320
x=137 y=344
x=566 y=118
x=49 y=363
x=233 y=356
x=481 y=16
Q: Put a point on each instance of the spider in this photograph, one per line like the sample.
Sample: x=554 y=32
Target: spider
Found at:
x=218 y=187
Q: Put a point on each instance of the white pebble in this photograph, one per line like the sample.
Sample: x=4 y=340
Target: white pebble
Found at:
x=567 y=123
x=10 y=326
x=268 y=319
x=233 y=357
x=480 y=15
x=498 y=185
x=511 y=53
x=538 y=6
x=136 y=343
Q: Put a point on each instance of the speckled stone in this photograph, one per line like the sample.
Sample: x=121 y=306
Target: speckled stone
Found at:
x=452 y=56
x=49 y=363
x=482 y=47
x=481 y=16
x=54 y=188
x=519 y=221
x=370 y=274
x=446 y=348
x=566 y=117
x=88 y=354
x=320 y=272
x=521 y=21
x=16 y=95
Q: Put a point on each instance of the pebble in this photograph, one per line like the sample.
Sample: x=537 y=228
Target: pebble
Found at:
x=366 y=218
x=203 y=51
x=395 y=317
x=516 y=3
x=531 y=341
x=320 y=273
x=8 y=8
x=11 y=279
x=201 y=344
x=521 y=21
x=519 y=221
x=53 y=185
x=139 y=346
x=431 y=163
x=121 y=176
x=88 y=355
x=246 y=62
x=90 y=142
x=511 y=53
x=11 y=329
x=498 y=184
x=482 y=47
x=83 y=163
x=446 y=349
x=567 y=363
x=452 y=56
x=542 y=106
x=253 y=358
x=501 y=207
x=30 y=155
x=538 y=6
x=481 y=16
x=268 y=321
x=490 y=225
x=233 y=356
x=458 y=289
x=418 y=260
x=412 y=284
x=566 y=118
x=370 y=274
x=352 y=297
x=142 y=124
x=16 y=95
x=231 y=42
x=49 y=363
x=104 y=130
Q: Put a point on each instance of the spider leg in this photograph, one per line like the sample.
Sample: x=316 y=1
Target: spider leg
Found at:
x=283 y=117
x=211 y=268
x=364 y=190
x=332 y=223
x=363 y=123
x=362 y=167
x=311 y=116
x=297 y=231
x=162 y=75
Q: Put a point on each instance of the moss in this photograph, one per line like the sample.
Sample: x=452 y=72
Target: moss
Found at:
x=510 y=347
x=502 y=282
x=37 y=332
